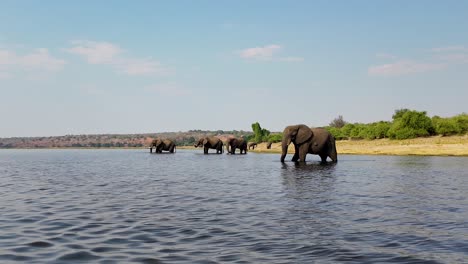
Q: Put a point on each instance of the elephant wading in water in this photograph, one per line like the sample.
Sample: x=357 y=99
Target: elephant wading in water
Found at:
x=210 y=143
x=162 y=144
x=306 y=140
x=233 y=143
x=252 y=145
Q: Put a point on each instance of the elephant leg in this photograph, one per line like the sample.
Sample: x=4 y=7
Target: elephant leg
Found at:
x=205 y=150
x=303 y=149
x=323 y=157
x=296 y=154
x=333 y=156
x=151 y=150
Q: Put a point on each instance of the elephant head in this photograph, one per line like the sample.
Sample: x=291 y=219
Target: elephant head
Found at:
x=298 y=135
x=199 y=143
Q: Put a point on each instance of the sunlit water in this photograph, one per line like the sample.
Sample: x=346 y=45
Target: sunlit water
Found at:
x=121 y=206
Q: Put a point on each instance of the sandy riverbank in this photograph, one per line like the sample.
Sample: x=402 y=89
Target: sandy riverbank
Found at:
x=432 y=146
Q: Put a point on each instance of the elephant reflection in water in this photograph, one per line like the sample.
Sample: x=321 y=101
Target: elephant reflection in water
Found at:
x=308 y=140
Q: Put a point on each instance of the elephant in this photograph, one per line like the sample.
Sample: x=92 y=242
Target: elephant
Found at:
x=268 y=145
x=210 y=143
x=252 y=145
x=234 y=143
x=308 y=140
x=162 y=144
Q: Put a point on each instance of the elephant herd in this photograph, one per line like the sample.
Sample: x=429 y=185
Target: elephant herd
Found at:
x=306 y=140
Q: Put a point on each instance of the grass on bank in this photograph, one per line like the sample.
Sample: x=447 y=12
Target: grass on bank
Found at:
x=432 y=146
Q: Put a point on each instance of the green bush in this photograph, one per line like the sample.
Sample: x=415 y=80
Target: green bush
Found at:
x=462 y=122
x=336 y=132
x=376 y=130
x=274 y=138
x=445 y=126
x=346 y=130
x=410 y=124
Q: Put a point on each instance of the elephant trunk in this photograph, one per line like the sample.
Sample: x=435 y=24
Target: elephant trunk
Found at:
x=284 y=147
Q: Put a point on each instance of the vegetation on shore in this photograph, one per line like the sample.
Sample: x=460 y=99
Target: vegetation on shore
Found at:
x=409 y=133
x=430 y=146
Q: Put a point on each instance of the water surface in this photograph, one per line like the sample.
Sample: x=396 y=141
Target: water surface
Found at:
x=121 y=206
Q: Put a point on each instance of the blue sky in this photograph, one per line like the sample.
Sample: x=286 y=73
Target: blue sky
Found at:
x=81 y=67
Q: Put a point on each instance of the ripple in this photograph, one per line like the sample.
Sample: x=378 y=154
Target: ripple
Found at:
x=120 y=206
x=40 y=244
x=79 y=256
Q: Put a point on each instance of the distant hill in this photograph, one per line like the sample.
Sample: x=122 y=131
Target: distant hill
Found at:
x=114 y=140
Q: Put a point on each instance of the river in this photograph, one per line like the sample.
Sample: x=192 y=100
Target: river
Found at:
x=124 y=206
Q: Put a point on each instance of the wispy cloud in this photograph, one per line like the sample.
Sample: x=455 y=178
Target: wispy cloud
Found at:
x=404 y=67
x=95 y=52
x=452 y=54
x=266 y=53
x=106 y=53
x=260 y=53
x=37 y=60
x=438 y=59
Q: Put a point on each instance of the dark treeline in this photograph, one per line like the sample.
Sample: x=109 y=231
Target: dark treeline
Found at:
x=114 y=140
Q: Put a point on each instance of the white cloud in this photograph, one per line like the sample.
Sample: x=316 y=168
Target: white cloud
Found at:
x=142 y=67
x=267 y=53
x=38 y=60
x=95 y=52
x=106 y=53
x=438 y=59
x=260 y=53
x=456 y=58
x=404 y=67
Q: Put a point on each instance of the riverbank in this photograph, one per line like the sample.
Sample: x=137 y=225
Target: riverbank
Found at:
x=430 y=146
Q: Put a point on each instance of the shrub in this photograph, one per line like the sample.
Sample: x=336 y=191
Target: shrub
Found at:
x=410 y=124
x=336 y=132
x=274 y=138
x=445 y=126
x=462 y=122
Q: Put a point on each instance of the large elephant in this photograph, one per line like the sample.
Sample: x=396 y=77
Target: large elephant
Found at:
x=252 y=145
x=236 y=143
x=162 y=144
x=306 y=140
x=210 y=143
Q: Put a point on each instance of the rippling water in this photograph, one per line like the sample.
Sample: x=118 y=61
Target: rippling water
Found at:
x=108 y=206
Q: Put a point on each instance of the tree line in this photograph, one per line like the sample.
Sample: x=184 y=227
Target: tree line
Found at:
x=405 y=124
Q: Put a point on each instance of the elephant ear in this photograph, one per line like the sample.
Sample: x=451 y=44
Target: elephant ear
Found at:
x=205 y=141
x=304 y=134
